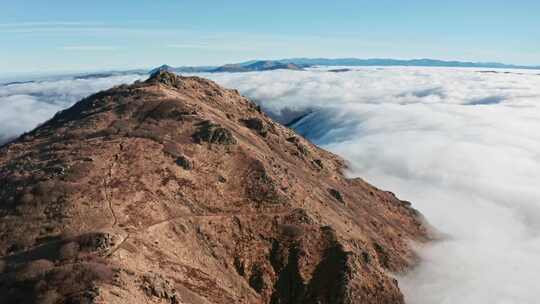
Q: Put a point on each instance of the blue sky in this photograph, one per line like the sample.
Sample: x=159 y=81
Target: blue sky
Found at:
x=47 y=36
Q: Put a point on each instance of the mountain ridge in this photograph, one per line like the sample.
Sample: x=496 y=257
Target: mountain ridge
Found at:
x=176 y=190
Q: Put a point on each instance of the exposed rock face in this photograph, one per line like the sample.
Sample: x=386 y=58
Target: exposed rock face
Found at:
x=214 y=134
x=257 y=124
x=185 y=163
x=102 y=204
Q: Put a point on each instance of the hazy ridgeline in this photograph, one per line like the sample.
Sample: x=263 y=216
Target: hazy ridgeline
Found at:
x=462 y=145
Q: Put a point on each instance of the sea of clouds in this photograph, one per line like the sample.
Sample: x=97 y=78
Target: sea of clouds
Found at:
x=24 y=105
x=462 y=145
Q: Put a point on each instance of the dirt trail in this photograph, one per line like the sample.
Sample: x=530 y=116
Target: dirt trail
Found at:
x=185 y=216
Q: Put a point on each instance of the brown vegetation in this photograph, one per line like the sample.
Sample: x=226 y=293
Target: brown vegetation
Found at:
x=176 y=190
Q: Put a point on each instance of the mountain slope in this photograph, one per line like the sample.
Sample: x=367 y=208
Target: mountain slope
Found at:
x=175 y=190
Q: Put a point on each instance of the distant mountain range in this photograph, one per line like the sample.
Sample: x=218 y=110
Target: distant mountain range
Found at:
x=298 y=64
x=266 y=65
x=302 y=63
x=400 y=62
x=250 y=66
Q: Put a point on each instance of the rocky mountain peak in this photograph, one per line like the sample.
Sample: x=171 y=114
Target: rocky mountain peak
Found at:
x=176 y=190
x=165 y=77
x=164 y=68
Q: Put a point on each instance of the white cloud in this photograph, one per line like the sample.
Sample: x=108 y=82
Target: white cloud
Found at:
x=25 y=105
x=463 y=146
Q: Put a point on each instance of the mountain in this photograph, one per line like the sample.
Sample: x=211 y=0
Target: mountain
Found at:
x=263 y=65
x=176 y=190
x=16 y=83
x=103 y=74
x=295 y=64
x=250 y=66
x=398 y=62
x=194 y=69
x=162 y=68
x=301 y=63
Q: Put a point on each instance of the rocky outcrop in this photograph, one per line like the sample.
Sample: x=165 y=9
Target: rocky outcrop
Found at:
x=175 y=190
x=214 y=134
x=256 y=124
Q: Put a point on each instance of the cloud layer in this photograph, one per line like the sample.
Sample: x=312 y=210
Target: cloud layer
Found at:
x=463 y=146
x=25 y=105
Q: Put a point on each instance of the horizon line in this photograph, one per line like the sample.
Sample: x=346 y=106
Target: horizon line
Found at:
x=148 y=67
